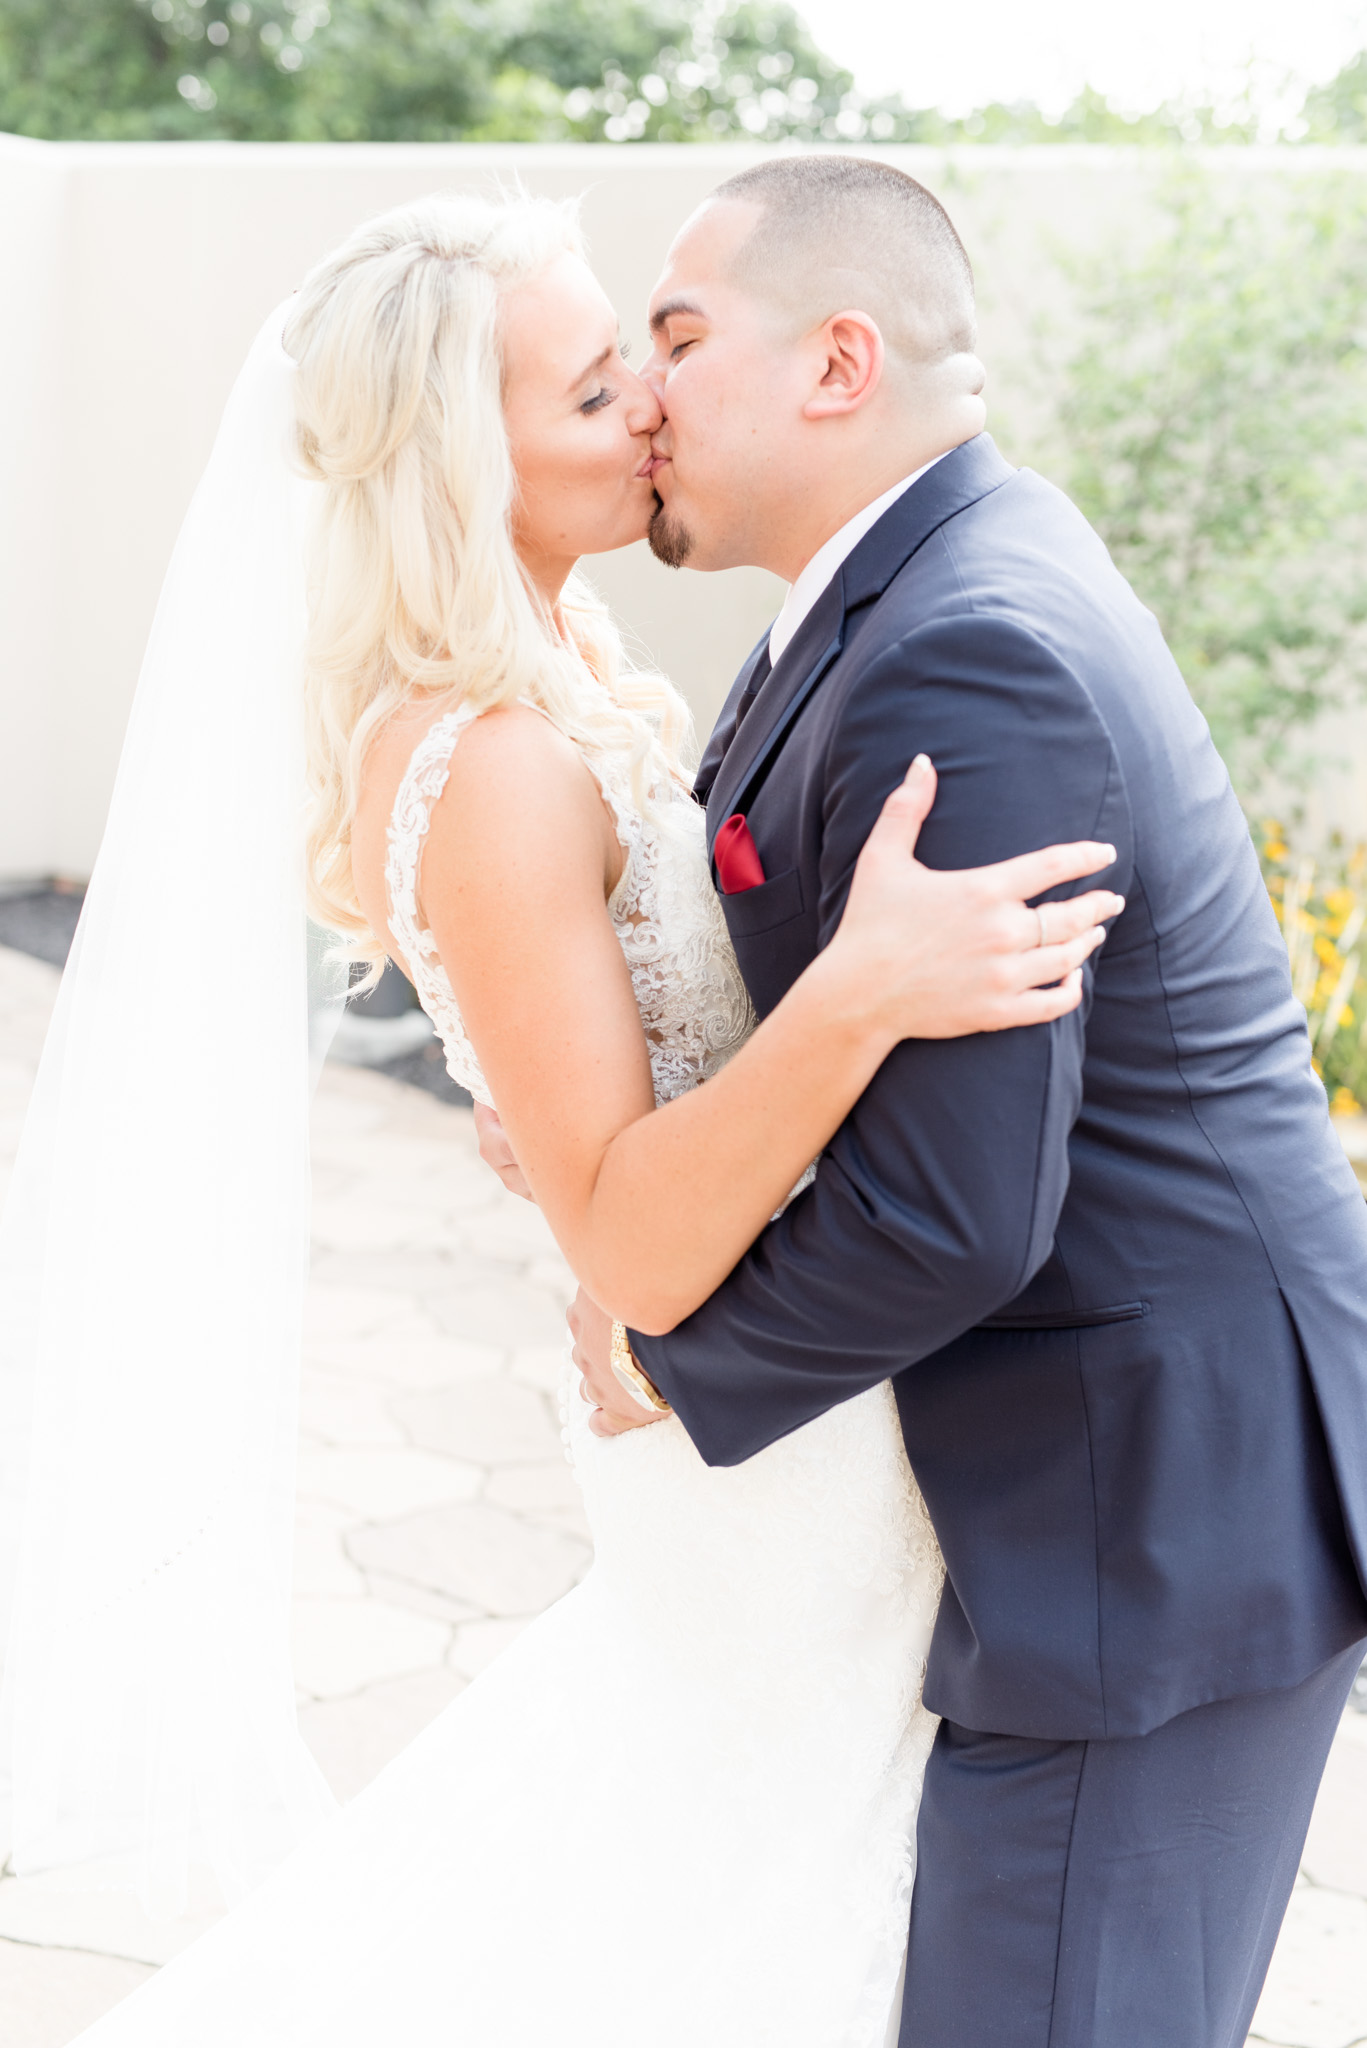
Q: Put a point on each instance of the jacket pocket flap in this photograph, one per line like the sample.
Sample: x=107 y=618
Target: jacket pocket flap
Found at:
x=768 y=904
x=1067 y=1319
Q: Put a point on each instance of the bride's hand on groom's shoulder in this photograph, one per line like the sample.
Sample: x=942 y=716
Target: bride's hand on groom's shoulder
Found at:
x=956 y=951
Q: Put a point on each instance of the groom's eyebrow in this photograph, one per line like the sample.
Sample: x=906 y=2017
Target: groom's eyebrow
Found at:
x=671 y=308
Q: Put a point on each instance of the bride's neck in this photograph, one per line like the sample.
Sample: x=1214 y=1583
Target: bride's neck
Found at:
x=548 y=580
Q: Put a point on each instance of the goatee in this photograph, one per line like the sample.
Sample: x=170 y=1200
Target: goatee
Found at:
x=670 y=542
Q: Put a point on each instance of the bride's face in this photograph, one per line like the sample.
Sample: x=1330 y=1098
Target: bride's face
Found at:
x=579 y=423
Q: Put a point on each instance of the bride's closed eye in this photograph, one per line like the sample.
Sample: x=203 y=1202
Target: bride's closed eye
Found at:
x=605 y=396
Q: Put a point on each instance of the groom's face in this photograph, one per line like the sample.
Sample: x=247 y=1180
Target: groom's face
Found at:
x=731 y=385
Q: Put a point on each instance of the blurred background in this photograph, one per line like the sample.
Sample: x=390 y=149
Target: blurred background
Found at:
x=1166 y=208
x=1168 y=218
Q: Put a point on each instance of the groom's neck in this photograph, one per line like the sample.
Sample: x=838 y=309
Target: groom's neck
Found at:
x=842 y=505
x=820 y=505
x=824 y=473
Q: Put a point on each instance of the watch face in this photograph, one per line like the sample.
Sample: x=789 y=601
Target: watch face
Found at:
x=629 y=1385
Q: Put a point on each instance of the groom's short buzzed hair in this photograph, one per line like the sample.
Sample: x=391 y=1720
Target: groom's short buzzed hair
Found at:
x=839 y=232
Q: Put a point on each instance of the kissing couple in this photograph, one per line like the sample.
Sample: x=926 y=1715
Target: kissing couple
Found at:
x=970 y=1378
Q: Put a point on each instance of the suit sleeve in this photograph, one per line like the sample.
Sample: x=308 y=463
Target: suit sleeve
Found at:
x=937 y=1199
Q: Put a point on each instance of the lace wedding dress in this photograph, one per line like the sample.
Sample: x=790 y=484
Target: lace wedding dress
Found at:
x=679 y=1811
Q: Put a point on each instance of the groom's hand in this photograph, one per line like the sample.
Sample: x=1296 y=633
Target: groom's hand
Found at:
x=613 y=1408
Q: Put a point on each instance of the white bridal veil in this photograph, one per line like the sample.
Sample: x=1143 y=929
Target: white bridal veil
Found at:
x=153 y=1248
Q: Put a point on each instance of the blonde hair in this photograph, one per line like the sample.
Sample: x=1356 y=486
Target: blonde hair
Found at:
x=417 y=590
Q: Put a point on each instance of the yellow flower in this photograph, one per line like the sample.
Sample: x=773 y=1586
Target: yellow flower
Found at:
x=1345 y=1103
x=1274 y=849
x=1326 y=950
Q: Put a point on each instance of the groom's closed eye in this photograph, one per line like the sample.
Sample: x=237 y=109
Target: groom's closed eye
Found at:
x=663 y=325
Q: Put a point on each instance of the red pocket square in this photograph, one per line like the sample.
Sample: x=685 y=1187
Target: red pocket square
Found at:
x=737 y=857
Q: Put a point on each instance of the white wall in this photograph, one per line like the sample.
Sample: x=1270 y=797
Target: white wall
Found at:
x=134 y=275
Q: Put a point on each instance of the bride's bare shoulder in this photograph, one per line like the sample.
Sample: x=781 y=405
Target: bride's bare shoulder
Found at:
x=513 y=778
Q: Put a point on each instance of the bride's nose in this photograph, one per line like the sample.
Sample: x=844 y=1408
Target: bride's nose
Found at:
x=643 y=411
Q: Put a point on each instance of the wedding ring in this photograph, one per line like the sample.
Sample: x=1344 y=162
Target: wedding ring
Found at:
x=1039 y=913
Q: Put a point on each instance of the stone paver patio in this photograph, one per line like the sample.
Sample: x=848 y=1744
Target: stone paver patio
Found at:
x=437 y=1516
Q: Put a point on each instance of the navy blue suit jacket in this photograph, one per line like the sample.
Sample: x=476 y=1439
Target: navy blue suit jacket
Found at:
x=1115 y=1266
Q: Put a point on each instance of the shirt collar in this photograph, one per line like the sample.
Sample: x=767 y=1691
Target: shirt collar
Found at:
x=820 y=571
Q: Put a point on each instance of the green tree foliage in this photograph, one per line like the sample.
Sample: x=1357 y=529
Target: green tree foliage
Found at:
x=747 y=71
x=1212 y=424
x=264 y=70
x=408 y=71
x=112 y=70
x=422 y=70
x=1332 y=113
x=1090 y=118
x=1337 y=112
x=514 y=70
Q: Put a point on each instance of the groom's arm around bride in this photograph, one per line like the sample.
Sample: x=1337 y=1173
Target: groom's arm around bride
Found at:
x=1114 y=1266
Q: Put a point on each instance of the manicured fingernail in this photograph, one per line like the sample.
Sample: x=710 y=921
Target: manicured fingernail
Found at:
x=922 y=762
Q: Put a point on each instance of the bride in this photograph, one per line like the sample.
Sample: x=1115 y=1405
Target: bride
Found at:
x=497 y=801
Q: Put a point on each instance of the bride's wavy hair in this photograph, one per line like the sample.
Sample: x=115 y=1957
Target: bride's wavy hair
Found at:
x=416 y=588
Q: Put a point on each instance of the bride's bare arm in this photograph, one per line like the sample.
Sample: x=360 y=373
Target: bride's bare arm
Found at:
x=653 y=1208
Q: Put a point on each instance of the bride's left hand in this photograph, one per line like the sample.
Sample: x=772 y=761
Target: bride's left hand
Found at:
x=612 y=1410
x=498 y=1154
x=946 y=953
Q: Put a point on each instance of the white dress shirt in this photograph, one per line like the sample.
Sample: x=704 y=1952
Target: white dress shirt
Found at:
x=803 y=594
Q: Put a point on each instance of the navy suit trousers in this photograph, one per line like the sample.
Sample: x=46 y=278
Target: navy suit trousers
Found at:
x=1122 y=1893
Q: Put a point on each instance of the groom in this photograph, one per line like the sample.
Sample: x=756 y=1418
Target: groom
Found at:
x=1115 y=1266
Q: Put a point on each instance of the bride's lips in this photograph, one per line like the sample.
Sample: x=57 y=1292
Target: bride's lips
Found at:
x=650 y=465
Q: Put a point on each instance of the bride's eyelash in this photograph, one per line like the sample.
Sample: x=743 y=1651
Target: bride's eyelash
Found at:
x=624 y=350
x=598 y=401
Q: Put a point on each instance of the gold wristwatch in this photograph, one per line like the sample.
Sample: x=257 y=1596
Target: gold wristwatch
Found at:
x=630 y=1378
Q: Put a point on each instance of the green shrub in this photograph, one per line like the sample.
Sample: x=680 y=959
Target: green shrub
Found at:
x=1322 y=908
x=1212 y=424
x=1211 y=421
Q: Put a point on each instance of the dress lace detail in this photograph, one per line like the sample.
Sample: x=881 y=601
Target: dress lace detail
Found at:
x=709 y=1754
x=692 y=1000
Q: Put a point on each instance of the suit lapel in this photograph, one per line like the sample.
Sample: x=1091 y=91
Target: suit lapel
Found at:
x=969 y=473
x=736 y=759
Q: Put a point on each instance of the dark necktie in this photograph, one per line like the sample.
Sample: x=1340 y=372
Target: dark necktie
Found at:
x=717 y=746
x=752 y=689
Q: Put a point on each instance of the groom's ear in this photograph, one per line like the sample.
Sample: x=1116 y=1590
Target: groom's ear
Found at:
x=848 y=353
